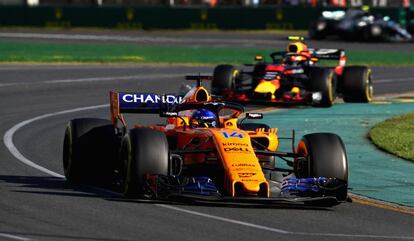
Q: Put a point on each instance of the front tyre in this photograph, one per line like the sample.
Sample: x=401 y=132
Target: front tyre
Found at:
x=357 y=84
x=323 y=80
x=144 y=152
x=325 y=156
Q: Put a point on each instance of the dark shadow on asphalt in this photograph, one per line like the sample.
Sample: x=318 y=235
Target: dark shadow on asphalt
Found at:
x=45 y=185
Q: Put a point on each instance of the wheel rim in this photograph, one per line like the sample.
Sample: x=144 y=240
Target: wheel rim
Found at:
x=369 y=89
x=67 y=152
x=330 y=88
x=236 y=74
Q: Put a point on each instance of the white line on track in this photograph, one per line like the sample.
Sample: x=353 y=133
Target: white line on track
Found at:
x=227 y=220
x=8 y=137
x=281 y=231
x=8 y=141
x=14 y=237
x=141 y=39
x=129 y=77
x=407 y=79
x=92 y=79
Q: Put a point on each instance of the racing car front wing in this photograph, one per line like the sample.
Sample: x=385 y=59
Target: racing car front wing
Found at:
x=318 y=192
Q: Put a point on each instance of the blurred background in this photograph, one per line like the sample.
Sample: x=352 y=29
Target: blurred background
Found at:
x=210 y=3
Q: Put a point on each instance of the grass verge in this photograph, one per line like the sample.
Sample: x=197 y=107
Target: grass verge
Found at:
x=395 y=135
x=38 y=52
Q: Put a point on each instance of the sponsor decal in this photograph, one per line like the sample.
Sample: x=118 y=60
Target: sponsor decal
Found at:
x=243 y=169
x=296 y=71
x=250 y=180
x=326 y=51
x=207 y=117
x=246 y=174
x=232 y=135
x=169 y=114
x=243 y=165
x=149 y=98
x=255 y=115
x=236 y=149
x=235 y=144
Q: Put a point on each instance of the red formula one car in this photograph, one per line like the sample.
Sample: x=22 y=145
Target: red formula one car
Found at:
x=293 y=77
x=203 y=152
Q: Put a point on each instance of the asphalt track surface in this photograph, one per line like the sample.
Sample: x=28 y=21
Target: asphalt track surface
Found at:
x=39 y=205
x=243 y=39
x=36 y=205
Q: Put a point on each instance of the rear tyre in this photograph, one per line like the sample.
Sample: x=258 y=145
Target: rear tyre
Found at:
x=357 y=84
x=325 y=156
x=144 y=151
x=224 y=78
x=323 y=80
x=317 y=30
x=89 y=151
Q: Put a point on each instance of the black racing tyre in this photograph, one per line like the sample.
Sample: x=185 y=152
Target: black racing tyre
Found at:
x=365 y=34
x=254 y=126
x=357 y=84
x=224 y=78
x=90 y=151
x=317 y=30
x=325 y=157
x=143 y=151
x=323 y=80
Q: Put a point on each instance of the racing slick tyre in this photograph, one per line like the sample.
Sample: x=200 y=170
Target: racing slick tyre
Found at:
x=317 y=30
x=143 y=151
x=324 y=156
x=224 y=78
x=323 y=80
x=356 y=84
x=90 y=150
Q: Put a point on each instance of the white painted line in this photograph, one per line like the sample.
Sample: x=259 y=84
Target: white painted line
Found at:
x=142 y=76
x=8 y=141
x=92 y=79
x=228 y=220
x=365 y=236
x=408 y=79
x=281 y=231
x=141 y=39
x=14 y=237
x=8 y=138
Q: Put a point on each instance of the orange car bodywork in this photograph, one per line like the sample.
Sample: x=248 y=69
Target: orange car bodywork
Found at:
x=231 y=147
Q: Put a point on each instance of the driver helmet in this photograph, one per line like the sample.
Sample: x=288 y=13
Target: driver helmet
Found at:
x=203 y=118
x=299 y=48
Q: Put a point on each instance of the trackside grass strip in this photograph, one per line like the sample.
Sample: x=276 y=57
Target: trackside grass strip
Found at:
x=40 y=52
x=395 y=135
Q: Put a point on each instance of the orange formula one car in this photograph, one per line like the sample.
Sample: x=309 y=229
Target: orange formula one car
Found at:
x=205 y=151
x=293 y=77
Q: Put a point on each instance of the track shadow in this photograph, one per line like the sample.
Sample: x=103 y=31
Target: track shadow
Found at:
x=45 y=185
x=52 y=186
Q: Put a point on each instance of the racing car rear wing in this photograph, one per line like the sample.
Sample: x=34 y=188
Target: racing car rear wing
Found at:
x=131 y=102
x=331 y=54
